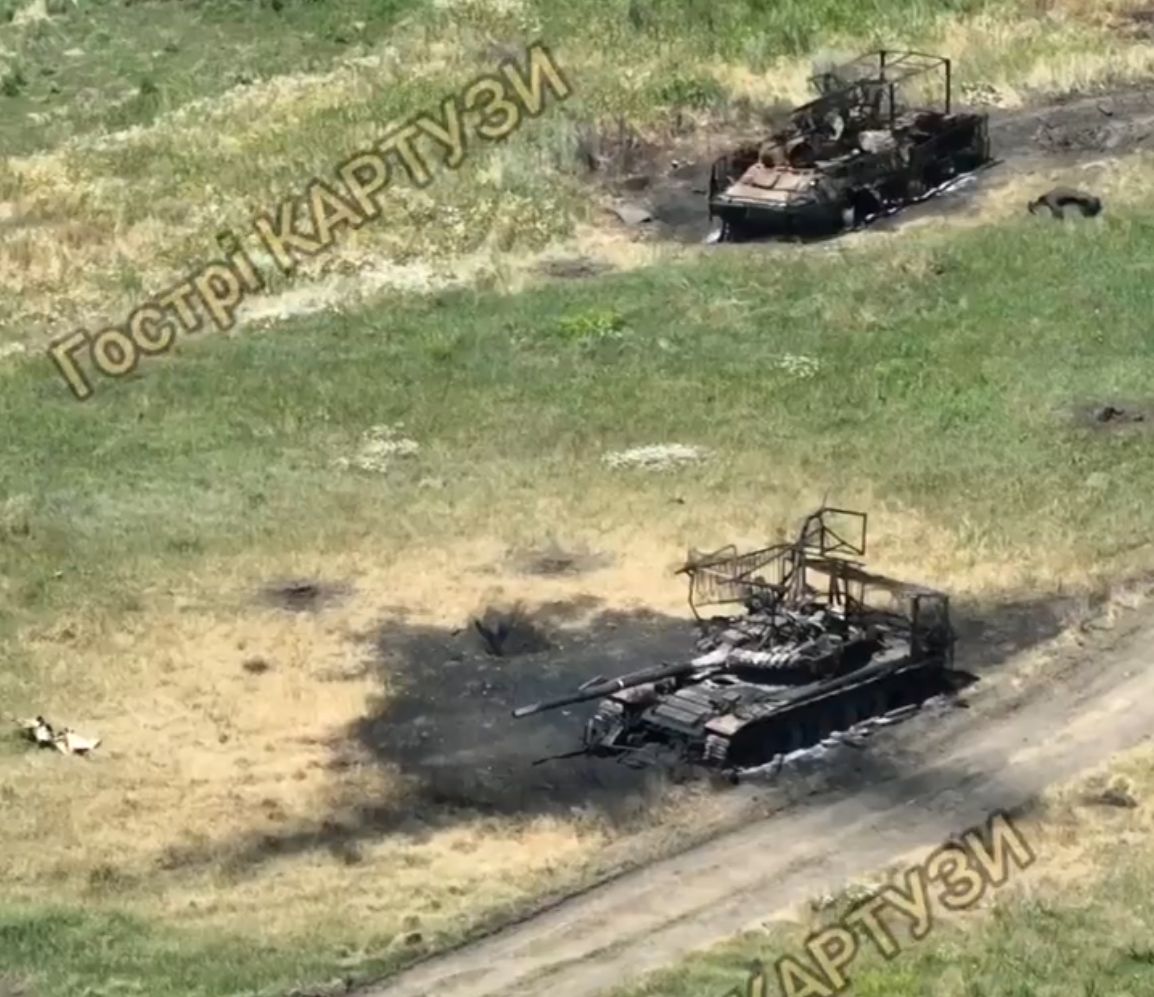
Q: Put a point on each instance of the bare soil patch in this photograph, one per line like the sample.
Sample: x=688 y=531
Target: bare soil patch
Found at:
x=445 y=722
x=1136 y=23
x=302 y=595
x=553 y=559
x=1116 y=416
x=572 y=268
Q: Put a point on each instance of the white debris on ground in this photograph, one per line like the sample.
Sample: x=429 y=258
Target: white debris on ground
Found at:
x=853 y=737
x=12 y=350
x=801 y=367
x=41 y=733
x=661 y=457
x=379 y=446
x=31 y=13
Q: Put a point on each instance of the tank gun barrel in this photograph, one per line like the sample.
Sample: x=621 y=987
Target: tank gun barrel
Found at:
x=608 y=687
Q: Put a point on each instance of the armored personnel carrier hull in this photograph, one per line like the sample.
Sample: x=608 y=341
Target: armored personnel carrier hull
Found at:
x=882 y=134
x=806 y=658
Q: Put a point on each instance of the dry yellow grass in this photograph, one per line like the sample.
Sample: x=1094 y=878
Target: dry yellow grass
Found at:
x=201 y=759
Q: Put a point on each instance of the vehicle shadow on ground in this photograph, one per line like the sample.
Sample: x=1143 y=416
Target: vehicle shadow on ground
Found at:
x=446 y=721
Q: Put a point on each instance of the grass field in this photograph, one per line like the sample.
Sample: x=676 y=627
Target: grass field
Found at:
x=947 y=369
x=941 y=376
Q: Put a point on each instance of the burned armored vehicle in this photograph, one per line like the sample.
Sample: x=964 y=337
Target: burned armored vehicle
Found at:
x=882 y=133
x=818 y=645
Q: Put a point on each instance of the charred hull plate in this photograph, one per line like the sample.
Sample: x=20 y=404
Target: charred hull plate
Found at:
x=750 y=219
x=755 y=742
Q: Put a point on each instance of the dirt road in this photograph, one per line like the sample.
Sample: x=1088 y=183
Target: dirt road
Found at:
x=944 y=773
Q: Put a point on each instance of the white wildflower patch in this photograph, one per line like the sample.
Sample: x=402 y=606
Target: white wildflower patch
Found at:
x=801 y=367
x=504 y=8
x=380 y=445
x=660 y=457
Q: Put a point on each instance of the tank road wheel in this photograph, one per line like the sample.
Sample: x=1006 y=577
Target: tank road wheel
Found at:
x=722 y=779
x=969 y=159
x=916 y=189
x=935 y=175
x=793 y=737
x=880 y=703
x=851 y=712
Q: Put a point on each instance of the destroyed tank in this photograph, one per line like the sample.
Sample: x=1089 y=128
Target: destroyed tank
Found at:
x=821 y=645
x=881 y=134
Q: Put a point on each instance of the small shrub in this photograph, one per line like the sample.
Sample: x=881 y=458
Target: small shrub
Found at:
x=692 y=92
x=13 y=82
x=592 y=325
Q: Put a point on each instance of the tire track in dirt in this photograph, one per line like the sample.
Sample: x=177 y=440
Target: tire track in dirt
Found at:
x=942 y=775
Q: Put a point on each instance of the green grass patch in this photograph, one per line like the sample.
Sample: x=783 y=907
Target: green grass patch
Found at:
x=105 y=65
x=941 y=374
x=65 y=952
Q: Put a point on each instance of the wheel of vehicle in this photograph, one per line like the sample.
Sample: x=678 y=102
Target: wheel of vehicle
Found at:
x=851 y=713
x=865 y=204
x=934 y=177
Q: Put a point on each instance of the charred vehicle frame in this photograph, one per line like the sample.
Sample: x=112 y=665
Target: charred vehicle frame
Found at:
x=858 y=150
x=821 y=645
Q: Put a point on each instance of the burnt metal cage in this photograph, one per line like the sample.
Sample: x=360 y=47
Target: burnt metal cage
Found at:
x=879 y=78
x=781 y=572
